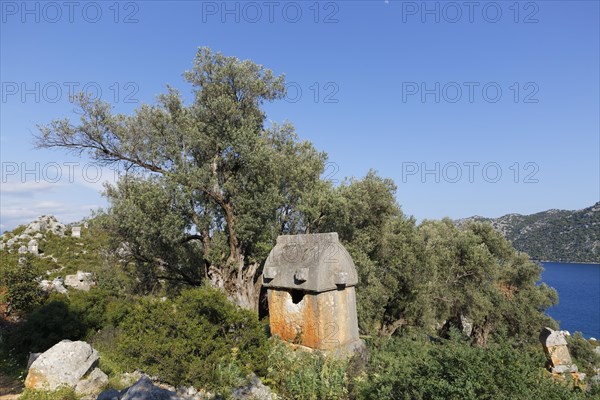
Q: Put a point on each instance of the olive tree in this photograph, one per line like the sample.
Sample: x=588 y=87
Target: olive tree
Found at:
x=208 y=186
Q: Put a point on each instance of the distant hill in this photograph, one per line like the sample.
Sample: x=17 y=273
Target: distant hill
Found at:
x=553 y=235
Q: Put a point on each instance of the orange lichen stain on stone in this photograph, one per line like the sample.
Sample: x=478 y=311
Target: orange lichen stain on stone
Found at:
x=310 y=323
x=34 y=379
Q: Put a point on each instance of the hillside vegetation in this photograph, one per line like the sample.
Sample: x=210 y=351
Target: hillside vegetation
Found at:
x=553 y=235
x=177 y=258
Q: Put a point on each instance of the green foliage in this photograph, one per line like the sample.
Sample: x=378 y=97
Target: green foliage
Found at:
x=60 y=394
x=297 y=374
x=418 y=369
x=76 y=317
x=423 y=276
x=46 y=326
x=209 y=186
x=18 y=286
x=583 y=353
x=198 y=338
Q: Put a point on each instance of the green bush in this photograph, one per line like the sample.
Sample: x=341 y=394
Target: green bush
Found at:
x=583 y=353
x=18 y=286
x=198 y=338
x=306 y=376
x=418 y=370
x=77 y=317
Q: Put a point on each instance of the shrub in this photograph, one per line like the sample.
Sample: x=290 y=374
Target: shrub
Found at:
x=418 y=369
x=76 y=317
x=44 y=327
x=583 y=352
x=18 y=286
x=198 y=338
x=306 y=376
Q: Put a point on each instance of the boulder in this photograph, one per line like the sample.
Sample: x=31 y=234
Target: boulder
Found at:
x=32 y=246
x=93 y=383
x=65 y=363
x=254 y=390
x=110 y=394
x=23 y=250
x=144 y=389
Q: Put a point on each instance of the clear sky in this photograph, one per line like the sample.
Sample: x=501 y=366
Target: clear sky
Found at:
x=472 y=107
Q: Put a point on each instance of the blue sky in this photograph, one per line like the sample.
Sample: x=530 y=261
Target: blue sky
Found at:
x=483 y=108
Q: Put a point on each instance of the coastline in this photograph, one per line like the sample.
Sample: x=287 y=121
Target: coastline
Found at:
x=568 y=262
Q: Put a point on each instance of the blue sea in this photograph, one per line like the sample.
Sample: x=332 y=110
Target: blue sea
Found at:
x=578 y=287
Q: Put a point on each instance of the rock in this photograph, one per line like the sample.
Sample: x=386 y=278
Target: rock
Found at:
x=80 y=281
x=32 y=246
x=128 y=379
x=10 y=242
x=24 y=236
x=32 y=358
x=467 y=325
x=65 y=363
x=561 y=369
x=93 y=383
x=23 y=250
x=144 y=389
x=597 y=350
x=255 y=390
x=38 y=235
x=76 y=231
x=46 y=223
x=58 y=286
x=110 y=394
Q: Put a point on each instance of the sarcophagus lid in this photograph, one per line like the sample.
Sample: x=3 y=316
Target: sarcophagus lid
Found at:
x=311 y=263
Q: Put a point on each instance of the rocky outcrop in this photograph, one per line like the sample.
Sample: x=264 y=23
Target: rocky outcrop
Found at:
x=46 y=223
x=56 y=285
x=64 y=364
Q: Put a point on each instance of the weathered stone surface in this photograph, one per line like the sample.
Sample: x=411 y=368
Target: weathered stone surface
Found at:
x=76 y=231
x=93 y=383
x=312 y=263
x=32 y=246
x=144 y=389
x=312 y=301
x=110 y=394
x=555 y=347
x=46 y=223
x=65 y=363
x=254 y=390
x=80 y=281
x=23 y=250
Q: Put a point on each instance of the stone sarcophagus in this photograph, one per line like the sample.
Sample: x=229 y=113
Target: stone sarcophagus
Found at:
x=310 y=283
x=555 y=347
